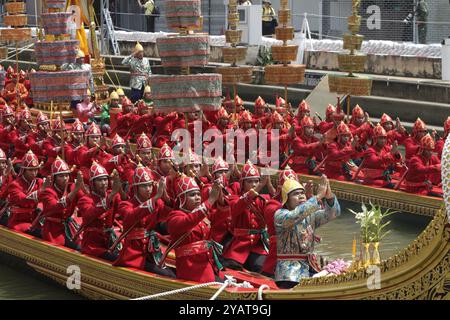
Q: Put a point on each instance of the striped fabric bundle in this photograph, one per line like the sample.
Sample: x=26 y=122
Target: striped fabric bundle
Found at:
x=184 y=51
x=189 y=93
x=183 y=13
x=57 y=52
x=56 y=4
x=56 y=23
x=2 y=78
x=61 y=86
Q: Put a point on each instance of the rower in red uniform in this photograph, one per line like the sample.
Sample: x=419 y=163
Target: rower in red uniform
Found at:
x=6 y=177
x=221 y=170
x=144 y=150
x=197 y=255
x=59 y=201
x=143 y=120
x=244 y=139
x=120 y=160
x=227 y=103
x=397 y=133
x=379 y=160
x=360 y=126
x=412 y=144
x=141 y=247
x=163 y=124
x=277 y=122
x=23 y=138
x=15 y=93
x=164 y=167
x=126 y=119
x=328 y=123
x=339 y=154
x=223 y=121
x=75 y=148
x=223 y=124
x=52 y=145
x=27 y=83
x=424 y=169
x=40 y=135
x=303 y=111
x=10 y=75
x=307 y=149
x=192 y=167
x=441 y=142
x=98 y=210
x=7 y=130
x=239 y=106
x=249 y=246
x=95 y=152
x=260 y=117
x=24 y=195
x=165 y=162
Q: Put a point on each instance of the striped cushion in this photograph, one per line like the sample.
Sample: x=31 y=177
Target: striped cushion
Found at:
x=57 y=52
x=56 y=23
x=183 y=13
x=61 y=86
x=186 y=93
x=184 y=51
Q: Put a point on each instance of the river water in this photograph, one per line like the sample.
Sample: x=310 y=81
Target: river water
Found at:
x=336 y=242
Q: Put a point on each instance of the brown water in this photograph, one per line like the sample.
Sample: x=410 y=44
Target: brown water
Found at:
x=336 y=242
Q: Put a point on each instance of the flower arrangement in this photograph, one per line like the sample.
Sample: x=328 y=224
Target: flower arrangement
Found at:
x=372 y=230
x=371 y=222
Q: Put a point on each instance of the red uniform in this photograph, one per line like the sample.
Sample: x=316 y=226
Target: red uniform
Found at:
x=394 y=135
x=125 y=123
x=269 y=211
x=23 y=199
x=376 y=163
x=220 y=217
x=98 y=222
x=196 y=254
x=58 y=211
x=23 y=141
x=411 y=147
x=337 y=157
x=412 y=143
x=248 y=227
x=10 y=93
x=142 y=240
x=423 y=172
x=163 y=129
x=305 y=149
x=440 y=147
x=363 y=132
x=7 y=134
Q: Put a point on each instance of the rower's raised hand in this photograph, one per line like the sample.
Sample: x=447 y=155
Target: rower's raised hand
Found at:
x=214 y=194
x=79 y=183
x=161 y=188
x=394 y=149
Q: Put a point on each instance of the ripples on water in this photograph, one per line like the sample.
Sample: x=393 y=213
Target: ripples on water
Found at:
x=337 y=237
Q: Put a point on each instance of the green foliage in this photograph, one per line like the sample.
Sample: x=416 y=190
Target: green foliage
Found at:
x=371 y=222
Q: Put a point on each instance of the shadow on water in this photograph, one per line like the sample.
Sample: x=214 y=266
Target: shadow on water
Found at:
x=337 y=235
